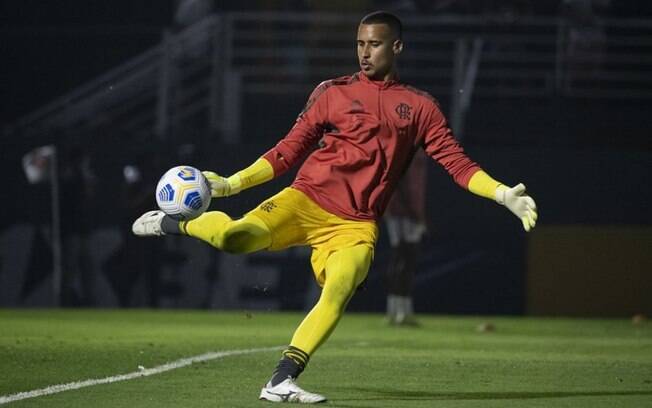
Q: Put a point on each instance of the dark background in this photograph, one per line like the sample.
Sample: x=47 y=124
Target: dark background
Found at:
x=40 y=39
x=587 y=162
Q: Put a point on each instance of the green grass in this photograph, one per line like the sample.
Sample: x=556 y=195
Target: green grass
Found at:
x=525 y=362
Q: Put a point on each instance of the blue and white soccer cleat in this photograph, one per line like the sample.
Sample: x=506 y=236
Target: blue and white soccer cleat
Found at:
x=149 y=224
x=289 y=391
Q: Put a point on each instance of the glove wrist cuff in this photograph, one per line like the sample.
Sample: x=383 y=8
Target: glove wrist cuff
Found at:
x=500 y=194
x=235 y=184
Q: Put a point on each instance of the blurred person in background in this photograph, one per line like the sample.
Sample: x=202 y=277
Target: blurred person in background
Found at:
x=586 y=40
x=370 y=125
x=139 y=260
x=405 y=219
x=77 y=186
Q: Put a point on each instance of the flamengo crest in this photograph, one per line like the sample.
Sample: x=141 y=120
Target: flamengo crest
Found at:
x=403 y=110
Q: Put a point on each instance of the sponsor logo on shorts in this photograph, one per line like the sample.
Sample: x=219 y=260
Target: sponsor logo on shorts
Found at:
x=268 y=206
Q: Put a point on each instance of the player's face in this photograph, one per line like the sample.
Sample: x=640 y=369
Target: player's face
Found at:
x=377 y=51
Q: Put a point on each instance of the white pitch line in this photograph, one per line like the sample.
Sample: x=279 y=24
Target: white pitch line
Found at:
x=54 y=389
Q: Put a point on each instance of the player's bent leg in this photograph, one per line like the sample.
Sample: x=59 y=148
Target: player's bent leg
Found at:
x=346 y=269
x=248 y=234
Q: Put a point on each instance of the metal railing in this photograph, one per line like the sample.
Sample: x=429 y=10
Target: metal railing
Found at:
x=146 y=94
x=197 y=77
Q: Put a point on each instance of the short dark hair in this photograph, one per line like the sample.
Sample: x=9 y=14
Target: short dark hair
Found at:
x=384 y=17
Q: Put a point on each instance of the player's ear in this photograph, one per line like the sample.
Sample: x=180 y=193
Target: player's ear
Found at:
x=397 y=47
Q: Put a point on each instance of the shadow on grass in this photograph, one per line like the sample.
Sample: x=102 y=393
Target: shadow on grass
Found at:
x=377 y=394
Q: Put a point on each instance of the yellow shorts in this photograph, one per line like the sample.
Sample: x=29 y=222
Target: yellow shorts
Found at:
x=294 y=219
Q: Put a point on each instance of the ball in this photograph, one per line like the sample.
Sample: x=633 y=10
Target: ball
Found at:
x=183 y=193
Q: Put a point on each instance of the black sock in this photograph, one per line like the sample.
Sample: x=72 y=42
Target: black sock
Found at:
x=291 y=365
x=170 y=226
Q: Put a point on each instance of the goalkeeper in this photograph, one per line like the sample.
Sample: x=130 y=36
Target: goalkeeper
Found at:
x=368 y=126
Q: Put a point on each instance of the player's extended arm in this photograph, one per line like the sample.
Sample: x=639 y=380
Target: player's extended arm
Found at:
x=514 y=198
x=259 y=172
x=303 y=136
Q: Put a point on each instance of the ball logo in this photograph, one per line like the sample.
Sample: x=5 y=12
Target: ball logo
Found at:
x=166 y=193
x=187 y=174
x=193 y=200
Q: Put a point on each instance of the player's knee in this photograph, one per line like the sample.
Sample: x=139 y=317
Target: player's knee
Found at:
x=243 y=241
x=338 y=291
x=234 y=242
x=241 y=236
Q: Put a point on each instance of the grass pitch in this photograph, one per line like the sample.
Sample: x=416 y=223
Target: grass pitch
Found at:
x=524 y=362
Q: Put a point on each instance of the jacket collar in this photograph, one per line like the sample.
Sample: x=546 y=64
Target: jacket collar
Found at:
x=379 y=84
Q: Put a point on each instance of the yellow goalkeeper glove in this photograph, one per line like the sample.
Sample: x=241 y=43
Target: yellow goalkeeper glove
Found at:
x=259 y=172
x=220 y=186
x=514 y=198
x=519 y=203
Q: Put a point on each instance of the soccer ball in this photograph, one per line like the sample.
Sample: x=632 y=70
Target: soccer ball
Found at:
x=183 y=193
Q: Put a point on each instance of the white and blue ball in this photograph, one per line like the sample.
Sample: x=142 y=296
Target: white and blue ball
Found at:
x=183 y=193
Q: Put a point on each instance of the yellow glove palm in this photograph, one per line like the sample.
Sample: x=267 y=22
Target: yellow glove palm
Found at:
x=519 y=203
x=220 y=186
x=514 y=198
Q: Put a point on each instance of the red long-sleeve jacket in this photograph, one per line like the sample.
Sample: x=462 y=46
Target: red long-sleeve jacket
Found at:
x=367 y=132
x=409 y=197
